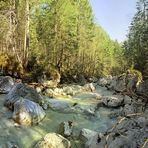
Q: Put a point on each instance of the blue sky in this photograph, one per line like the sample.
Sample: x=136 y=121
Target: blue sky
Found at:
x=114 y=16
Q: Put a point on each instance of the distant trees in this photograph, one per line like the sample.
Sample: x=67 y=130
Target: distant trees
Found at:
x=136 y=46
x=56 y=34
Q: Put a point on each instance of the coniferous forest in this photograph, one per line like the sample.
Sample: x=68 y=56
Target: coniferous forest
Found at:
x=40 y=35
x=57 y=64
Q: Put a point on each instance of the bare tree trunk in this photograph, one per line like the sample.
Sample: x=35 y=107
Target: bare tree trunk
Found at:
x=26 y=35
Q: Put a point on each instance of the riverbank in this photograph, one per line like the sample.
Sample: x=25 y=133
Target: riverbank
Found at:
x=93 y=115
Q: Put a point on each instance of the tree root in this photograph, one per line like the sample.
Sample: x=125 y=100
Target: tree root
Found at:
x=146 y=141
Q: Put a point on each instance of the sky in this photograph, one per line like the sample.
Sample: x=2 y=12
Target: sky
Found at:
x=114 y=16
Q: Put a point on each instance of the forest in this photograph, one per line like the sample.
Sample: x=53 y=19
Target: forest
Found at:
x=38 y=36
x=58 y=63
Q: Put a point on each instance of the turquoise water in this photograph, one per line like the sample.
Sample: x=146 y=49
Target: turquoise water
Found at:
x=26 y=137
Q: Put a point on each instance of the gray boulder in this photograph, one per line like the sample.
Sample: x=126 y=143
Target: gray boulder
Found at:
x=112 y=101
x=6 y=84
x=88 y=138
x=134 y=107
x=27 y=112
x=142 y=89
x=127 y=100
x=53 y=140
x=128 y=109
x=21 y=90
x=129 y=133
x=118 y=84
x=102 y=82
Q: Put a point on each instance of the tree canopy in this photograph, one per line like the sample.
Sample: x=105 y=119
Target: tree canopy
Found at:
x=38 y=36
x=136 y=45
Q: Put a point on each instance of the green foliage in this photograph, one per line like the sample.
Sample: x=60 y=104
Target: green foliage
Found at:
x=136 y=73
x=136 y=46
x=65 y=38
x=9 y=65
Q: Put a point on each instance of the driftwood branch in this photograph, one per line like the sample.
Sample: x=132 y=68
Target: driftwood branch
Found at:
x=144 y=145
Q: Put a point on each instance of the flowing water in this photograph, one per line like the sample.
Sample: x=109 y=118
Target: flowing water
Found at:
x=27 y=137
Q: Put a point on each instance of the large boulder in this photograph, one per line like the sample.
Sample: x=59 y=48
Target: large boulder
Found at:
x=6 y=84
x=105 y=81
x=127 y=100
x=27 y=112
x=142 y=89
x=126 y=82
x=134 y=107
x=128 y=133
x=112 y=101
x=128 y=109
x=53 y=140
x=24 y=91
x=87 y=137
x=118 y=83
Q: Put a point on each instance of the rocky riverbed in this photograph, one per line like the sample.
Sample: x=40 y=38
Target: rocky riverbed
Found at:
x=88 y=116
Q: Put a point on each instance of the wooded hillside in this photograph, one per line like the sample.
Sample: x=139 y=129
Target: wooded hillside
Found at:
x=39 y=36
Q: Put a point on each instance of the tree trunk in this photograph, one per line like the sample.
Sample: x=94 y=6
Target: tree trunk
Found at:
x=26 y=35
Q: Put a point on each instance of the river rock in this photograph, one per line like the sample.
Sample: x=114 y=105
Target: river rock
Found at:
x=134 y=107
x=27 y=112
x=128 y=109
x=142 y=89
x=66 y=128
x=128 y=133
x=126 y=82
x=72 y=89
x=118 y=83
x=89 y=87
x=53 y=140
x=69 y=90
x=112 y=101
x=21 y=90
x=102 y=82
x=54 y=92
x=87 y=138
x=127 y=100
x=58 y=105
x=6 y=84
x=84 y=109
x=50 y=83
x=86 y=134
x=92 y=80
